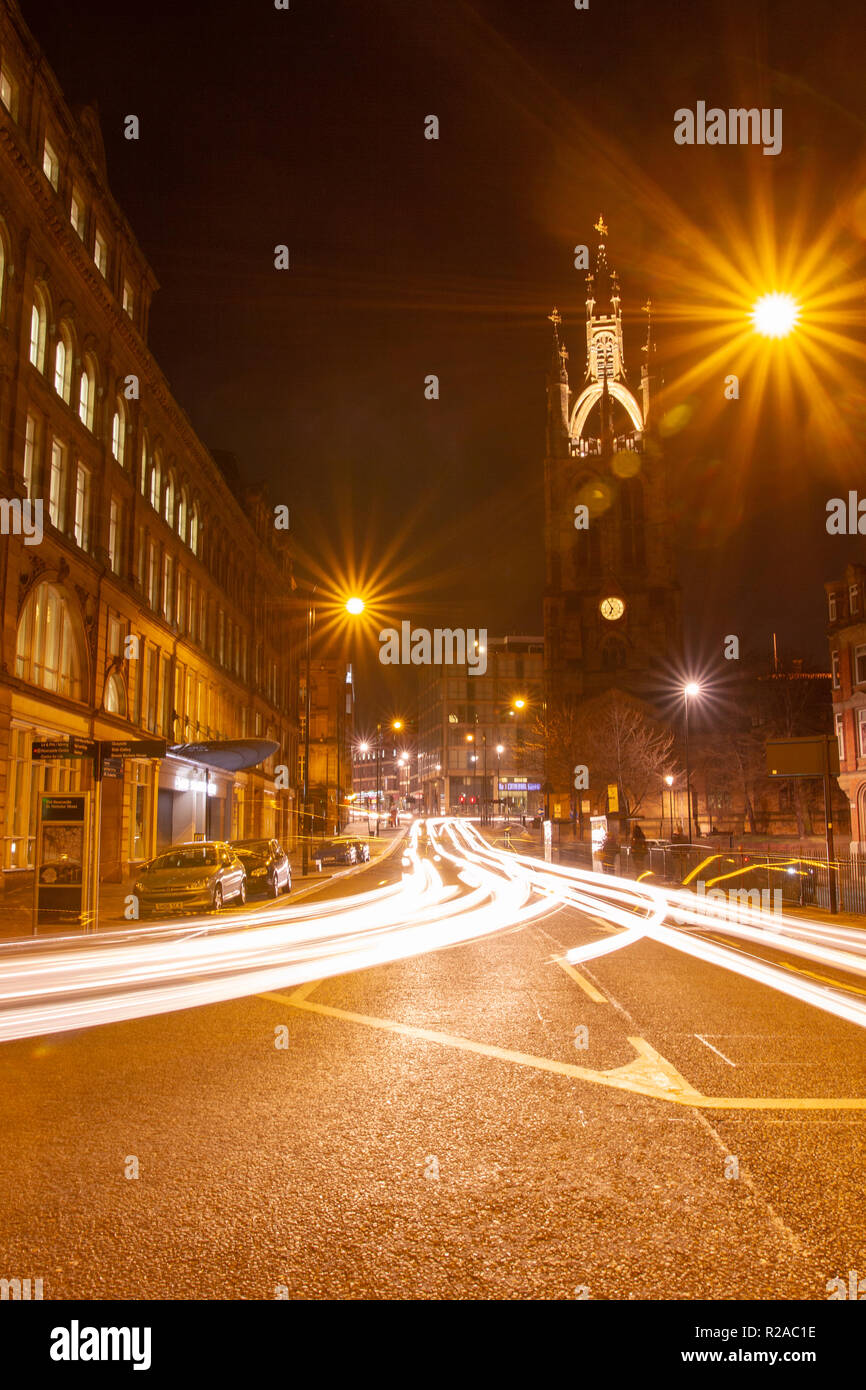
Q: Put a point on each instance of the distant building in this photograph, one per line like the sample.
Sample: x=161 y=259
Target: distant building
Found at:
x=472 y=733
x=155 y=599
x=846 y=613
x=385 y=764
x=332 y=720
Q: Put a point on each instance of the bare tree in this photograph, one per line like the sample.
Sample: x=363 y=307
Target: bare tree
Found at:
x=613 y=736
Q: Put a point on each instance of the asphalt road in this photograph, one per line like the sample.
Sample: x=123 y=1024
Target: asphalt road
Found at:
x=422 y=1134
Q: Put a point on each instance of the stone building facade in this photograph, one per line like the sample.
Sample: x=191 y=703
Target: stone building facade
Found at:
x=155 y=597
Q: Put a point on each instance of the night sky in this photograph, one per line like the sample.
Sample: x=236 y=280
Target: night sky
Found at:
x=412 y=257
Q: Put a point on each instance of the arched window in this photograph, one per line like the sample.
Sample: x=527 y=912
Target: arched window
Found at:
x=38 y=322
x=156 y=482
x=118 y=431
x=632 y=524
x=114 y=697
x=87 y=393
x=168 y=499
x=182 y=511
x=50 y=646
x=63 y=364
x=195 y=530
x=142 y=468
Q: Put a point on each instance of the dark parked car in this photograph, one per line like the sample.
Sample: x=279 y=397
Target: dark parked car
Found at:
x=205 y=873
x=267 y=865
x=337 y=851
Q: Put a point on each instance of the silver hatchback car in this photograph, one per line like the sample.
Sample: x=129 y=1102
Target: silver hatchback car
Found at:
x=205 y=874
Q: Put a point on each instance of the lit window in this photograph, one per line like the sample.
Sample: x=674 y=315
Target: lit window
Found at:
x=181 y=514
x=142 y=470
x=87 y=394
x=155 y=483
x=860 y=665
x=152 y=576
x=50 y=163
x=831 y=605
x=834 y=660
x=82 y=507
x=49 y=645
x=861 y=725
x=854 y=598
x=63 y=366
x=30 y=455
x=127 y=298
x=8 y=91
x=37 y=332
x=194 y=529
x=114 y=700
x=840 y=734
x=168 y=587
x=57 y=485
x=118 y=433
x=76 y=212
x=114 y=535
x=168 y=500
x=100 y=253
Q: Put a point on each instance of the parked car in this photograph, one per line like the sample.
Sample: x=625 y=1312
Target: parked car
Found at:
x=337 y=851
x=267 y=866
x=206 y=874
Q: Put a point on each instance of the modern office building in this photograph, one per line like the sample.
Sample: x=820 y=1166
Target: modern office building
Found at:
x=476 y=747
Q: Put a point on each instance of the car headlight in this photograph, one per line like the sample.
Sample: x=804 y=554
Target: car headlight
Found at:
x=138 y=888
x=199 y=883
x=258 y=873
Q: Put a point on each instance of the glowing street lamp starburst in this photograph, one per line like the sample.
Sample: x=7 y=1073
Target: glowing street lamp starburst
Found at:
x=775 y=315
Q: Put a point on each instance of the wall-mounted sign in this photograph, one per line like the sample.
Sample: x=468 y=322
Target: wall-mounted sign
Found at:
x=52 y=749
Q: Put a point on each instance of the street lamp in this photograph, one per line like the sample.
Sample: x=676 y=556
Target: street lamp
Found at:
x=670 y=782
x=355 y=606
x=775 y=315
x=690 y=690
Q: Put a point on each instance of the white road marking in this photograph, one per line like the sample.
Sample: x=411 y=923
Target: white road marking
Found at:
x=702 y=1039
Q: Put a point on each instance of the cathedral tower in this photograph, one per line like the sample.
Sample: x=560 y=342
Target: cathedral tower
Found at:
x=612 y=608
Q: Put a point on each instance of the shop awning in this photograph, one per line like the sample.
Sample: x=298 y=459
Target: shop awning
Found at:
x=229 y=754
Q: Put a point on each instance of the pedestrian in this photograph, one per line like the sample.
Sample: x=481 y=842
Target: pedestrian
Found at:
x=638 y=849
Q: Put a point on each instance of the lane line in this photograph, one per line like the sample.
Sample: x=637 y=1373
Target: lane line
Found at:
x=825 y=979
x=595 y=995
x=700 y=1037
x=648 y=1075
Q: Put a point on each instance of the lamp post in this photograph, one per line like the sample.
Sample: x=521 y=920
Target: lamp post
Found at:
x=690 y=690
x=305 y=845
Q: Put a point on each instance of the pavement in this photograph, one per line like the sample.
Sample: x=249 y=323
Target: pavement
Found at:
x=16 y=905
x=477 y=1122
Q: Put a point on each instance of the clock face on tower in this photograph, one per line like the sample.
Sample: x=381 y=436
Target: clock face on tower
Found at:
x=611 y=608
